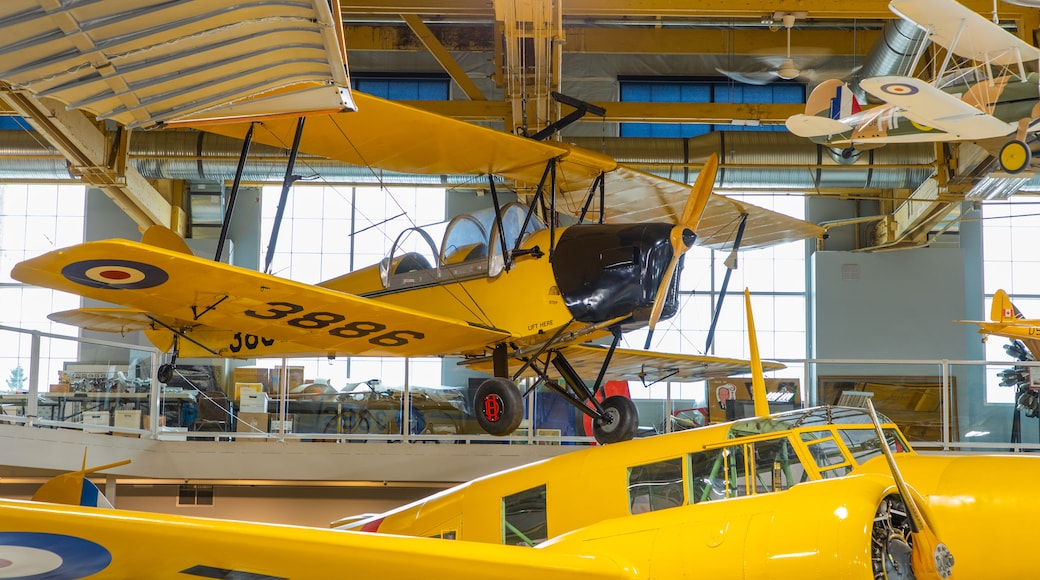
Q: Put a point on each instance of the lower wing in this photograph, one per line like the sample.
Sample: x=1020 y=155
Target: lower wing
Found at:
x=639 y=365
x=931 y=107
x=39 y=540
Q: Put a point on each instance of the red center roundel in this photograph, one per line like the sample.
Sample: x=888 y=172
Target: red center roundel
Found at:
x=114 y=274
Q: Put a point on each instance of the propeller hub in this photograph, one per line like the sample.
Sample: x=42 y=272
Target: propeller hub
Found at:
x=688 y=237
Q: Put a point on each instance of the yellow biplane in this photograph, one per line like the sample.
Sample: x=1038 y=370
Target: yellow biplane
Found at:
x=507 y=289
x=826 y=492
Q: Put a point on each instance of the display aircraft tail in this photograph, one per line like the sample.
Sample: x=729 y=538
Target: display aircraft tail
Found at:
x=829 y=103
x=74 y=488
x=1003 y=310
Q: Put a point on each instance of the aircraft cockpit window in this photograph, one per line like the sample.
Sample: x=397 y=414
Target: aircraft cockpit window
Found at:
x=829 y=458
x=655 y=486
x=777 y=466
x=465 y=239
x=864 y=444
x=718 y=474
x=513 y=216
x=413 y=253
x=523 y=518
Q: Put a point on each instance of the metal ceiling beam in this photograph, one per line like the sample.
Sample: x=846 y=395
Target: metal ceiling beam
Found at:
x=440 y=53
x=627 y=40
x=97 y=160
x=671 y=8
x=630 y=112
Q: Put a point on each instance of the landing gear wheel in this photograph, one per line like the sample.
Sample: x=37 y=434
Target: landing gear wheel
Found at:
x=499 y=406
x=165 y=373
x=891 y=548
x=620 y=423
x=1014 y=156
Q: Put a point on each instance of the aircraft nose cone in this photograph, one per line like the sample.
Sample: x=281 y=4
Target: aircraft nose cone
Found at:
x=688 y=237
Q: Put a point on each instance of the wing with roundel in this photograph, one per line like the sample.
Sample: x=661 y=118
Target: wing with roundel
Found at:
x=395 y=137
x=640 y=365
x=174 y=285
x=42 y=540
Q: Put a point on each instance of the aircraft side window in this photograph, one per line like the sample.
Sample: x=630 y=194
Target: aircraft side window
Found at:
x=777 y=466
x=829 y=458
x=864 y=444
x=655 y=486
x=523 y=518
x=718 y=474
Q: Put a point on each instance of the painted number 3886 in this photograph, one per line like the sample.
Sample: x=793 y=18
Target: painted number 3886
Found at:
x=295 y=315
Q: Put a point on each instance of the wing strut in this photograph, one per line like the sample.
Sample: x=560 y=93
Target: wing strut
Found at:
x=234 y=192
x=731 y=264
x=597 y=187
x=580 y=109
x=287 y=182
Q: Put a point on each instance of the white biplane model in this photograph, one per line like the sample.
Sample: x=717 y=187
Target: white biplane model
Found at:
x=981 y=91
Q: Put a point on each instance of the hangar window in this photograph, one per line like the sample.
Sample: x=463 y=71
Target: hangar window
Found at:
x=399 y=88
x=655 y=486
x=680 y=90
x=523 y=518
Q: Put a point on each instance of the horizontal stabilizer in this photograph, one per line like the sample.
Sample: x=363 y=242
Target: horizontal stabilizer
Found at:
x=813 y=126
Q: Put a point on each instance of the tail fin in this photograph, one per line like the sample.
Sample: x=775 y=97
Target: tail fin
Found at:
x=1003 y=310
x=833 y=99
x=829 y=103
x=164 y=237
x=74 y=488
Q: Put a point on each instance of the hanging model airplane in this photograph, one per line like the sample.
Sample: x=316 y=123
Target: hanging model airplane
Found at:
x=510 y=294
x=826 y=492
x=988 y=96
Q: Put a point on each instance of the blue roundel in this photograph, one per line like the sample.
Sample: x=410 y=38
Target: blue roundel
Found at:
x=41 y=556
x=115 y=274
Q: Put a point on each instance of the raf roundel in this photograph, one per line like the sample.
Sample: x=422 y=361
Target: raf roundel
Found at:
x=35 y=556
x=115 y=274
x=899 y=89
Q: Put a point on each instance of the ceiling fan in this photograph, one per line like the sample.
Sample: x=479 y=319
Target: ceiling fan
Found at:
x=785 y=67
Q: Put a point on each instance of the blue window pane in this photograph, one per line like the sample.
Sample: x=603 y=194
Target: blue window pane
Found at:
x=667 y=91
x=403 y=89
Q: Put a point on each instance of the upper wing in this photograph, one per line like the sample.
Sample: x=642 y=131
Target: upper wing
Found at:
x=926 y=105
x=175 y=285
x=637 y=365
x=150 y=61
x=965 y=32
x=396 y=137
x=55 y=541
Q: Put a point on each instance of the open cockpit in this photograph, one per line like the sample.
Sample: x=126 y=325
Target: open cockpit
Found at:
x=471 y=245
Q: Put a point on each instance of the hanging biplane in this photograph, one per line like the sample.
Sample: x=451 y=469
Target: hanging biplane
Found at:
x=825 y=492
x=507 y=289
x=981 y=92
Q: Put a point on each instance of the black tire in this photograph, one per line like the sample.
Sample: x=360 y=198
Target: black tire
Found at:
x=498 y=406
x=620 y=423
x=165 y=373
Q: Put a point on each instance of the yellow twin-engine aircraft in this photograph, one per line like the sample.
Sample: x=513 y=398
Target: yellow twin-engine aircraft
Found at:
x=826 y=492
x=507 y=288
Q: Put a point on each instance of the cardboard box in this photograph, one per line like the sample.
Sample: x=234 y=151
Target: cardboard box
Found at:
x=295 y=378
x=275 y=424
x=253 y=375
x=252 y=423
x=253 y=402
x=96 y=418
x=247 y=387
x=127 y=419
x=60 y=388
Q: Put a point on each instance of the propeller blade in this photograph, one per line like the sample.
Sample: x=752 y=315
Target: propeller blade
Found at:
x=930 y=557
x=682 y=235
